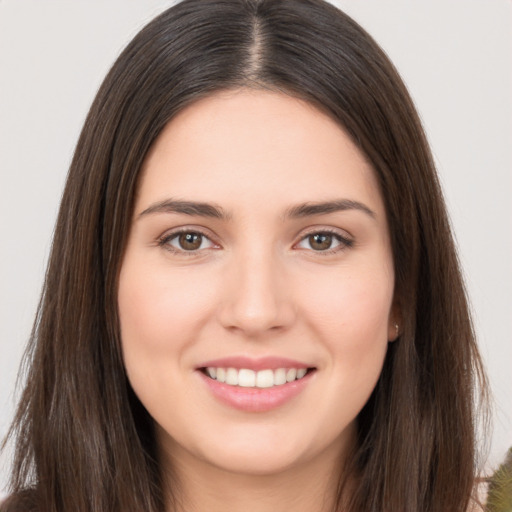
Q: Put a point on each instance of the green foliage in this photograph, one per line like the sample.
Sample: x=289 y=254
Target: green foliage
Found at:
x=499 y=498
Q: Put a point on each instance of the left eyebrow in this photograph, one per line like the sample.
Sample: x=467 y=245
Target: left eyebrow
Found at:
x=337 y=205
x=192 y=208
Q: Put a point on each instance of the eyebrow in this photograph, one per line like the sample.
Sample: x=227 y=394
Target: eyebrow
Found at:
x=211 y=210
x=323 y=208
x=186 y=208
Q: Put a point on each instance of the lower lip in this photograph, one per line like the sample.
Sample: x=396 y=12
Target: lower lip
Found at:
x=256 y=399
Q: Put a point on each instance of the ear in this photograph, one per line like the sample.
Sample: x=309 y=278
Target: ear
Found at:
x=395 y=321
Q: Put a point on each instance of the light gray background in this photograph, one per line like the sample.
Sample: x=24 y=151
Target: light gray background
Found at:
x=455 y=57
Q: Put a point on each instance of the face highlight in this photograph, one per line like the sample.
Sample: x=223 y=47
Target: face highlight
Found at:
x=256 y=290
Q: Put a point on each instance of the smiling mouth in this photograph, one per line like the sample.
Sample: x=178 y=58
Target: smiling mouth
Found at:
x=247 y=378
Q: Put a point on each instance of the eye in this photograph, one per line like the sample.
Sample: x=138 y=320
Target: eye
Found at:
x=186 y=241
x=324 y=241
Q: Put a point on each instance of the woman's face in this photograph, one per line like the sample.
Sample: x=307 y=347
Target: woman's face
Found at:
x=259 y=252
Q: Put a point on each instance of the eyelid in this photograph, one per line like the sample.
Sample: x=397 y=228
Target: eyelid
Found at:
x=167 y=236
x=345 y=240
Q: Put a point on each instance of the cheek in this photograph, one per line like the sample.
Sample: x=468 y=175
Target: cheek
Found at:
x=351 y=322
x=154 y=303
x=351 y=305
x=161 y=314
x=350 y=316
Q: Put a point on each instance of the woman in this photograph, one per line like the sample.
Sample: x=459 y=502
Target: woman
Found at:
x=253 y=299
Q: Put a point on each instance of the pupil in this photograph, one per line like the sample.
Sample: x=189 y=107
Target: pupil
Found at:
x=190 y=241
x=320 y=241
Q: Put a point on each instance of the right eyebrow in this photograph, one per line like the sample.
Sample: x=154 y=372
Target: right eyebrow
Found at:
x=192 y=208
x=323 y=208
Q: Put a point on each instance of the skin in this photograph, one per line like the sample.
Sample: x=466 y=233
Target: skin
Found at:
x=257 y=286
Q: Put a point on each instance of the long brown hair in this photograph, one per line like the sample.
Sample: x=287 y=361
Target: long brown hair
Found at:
x=83 y=440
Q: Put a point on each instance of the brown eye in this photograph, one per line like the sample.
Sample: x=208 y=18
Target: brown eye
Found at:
x=190 y=241
x=187 y=241
x=324 y=241
x=320 y=241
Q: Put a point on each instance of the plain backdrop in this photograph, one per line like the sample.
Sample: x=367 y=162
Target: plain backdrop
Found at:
x=456 y=58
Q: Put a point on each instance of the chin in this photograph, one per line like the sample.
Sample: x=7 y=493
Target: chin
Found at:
x=247 y=450
x=257 y=462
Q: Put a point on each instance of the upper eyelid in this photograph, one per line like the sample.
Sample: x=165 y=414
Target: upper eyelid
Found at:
x=342 y=233
x=165 y=239
x=346 y=241
x=171 y=233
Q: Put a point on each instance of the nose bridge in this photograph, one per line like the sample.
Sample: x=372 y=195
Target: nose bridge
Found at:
x=257 y=298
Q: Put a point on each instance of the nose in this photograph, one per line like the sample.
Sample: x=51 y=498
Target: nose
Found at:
x=257 y=299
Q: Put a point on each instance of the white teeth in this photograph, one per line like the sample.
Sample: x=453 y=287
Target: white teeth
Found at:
x=231 y=377
x=265 y=379
x=246 y=378
x=279 y=377
x=301 y=372
x=291 y=374
x=249 y=378
x=221 y=374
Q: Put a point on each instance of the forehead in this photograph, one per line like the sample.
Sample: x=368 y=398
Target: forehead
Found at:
x=256 y=147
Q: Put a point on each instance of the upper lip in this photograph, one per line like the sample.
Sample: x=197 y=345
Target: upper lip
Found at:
x=261 y=363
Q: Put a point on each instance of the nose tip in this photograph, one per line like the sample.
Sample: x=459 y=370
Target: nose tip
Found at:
x=253 y=318
x=256 y=301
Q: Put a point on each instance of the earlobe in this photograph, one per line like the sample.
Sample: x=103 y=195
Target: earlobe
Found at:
x=394 y=332
x=395 y=323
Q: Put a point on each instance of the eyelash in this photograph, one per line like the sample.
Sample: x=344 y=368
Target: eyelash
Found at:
x=165 y=240
x=344 y=242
